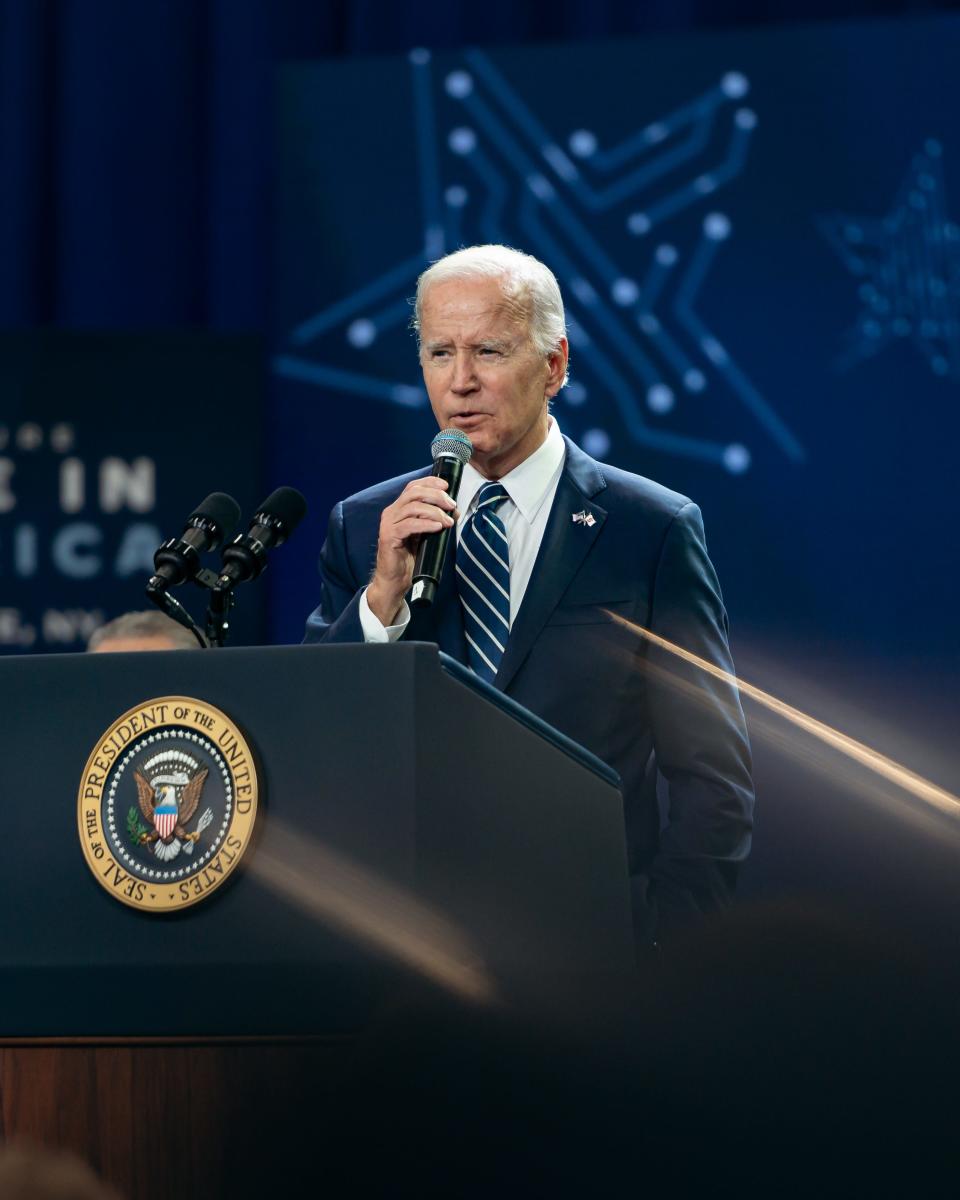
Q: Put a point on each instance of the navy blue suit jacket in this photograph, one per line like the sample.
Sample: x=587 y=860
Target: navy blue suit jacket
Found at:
x=637 y=706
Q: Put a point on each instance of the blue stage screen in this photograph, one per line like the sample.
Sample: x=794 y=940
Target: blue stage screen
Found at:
x=758 y=240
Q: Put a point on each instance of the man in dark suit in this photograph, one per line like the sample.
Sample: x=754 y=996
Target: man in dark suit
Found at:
x=572 y=587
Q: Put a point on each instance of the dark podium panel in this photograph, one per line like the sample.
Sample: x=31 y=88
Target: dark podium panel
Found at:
x=389 y=777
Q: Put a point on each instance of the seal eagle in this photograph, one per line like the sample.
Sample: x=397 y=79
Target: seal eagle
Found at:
x=166 y=814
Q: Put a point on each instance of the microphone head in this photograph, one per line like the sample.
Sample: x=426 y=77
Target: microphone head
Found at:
x=219 y=508
x=285 y=505
x=451 y=443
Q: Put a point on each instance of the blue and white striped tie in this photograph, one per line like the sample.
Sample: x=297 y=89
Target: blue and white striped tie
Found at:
x=483 y=578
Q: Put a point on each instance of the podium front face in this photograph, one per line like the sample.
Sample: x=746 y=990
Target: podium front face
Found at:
x=408 y=822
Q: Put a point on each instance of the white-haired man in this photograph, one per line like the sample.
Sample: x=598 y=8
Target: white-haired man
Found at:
x=556 y=557
x=149 y=630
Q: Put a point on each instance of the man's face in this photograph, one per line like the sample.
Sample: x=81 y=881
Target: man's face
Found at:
x=483 y=373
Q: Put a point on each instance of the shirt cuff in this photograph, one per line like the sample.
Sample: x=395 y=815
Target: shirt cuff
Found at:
x=374 y=631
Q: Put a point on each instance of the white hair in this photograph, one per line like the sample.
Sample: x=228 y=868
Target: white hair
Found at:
x=150 y=624
x=522 y=277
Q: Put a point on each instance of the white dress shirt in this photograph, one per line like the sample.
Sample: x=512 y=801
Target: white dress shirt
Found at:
x=531 y=486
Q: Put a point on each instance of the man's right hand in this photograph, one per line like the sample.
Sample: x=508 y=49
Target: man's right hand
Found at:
x=422 y=507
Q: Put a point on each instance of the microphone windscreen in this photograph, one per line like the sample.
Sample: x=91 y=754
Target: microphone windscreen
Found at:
x=451 y=443
x=219 y=508
x=287 y=505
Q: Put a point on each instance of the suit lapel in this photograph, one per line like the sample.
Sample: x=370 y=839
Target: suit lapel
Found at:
x=564 y=547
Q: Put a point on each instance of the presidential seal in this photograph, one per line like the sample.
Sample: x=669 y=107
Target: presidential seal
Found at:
x=167 y=804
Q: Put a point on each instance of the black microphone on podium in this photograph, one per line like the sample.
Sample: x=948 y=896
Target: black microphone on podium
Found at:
x=275 y=519
x=178 y=559
x=450 y=450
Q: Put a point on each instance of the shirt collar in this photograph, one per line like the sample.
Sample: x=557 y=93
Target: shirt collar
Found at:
x=528 y=483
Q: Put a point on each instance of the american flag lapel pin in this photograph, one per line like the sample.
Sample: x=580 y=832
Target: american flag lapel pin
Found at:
x=584 y=518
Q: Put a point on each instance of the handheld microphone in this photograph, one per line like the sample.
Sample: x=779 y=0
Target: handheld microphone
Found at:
x=450 y=449
x=178 y=559
x=246 y=556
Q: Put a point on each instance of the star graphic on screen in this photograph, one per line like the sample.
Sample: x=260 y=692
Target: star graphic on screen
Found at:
x=601 y=210
x=908 y=265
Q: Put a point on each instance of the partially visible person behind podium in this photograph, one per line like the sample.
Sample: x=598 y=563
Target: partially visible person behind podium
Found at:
x=558 y=559
x=141 y=631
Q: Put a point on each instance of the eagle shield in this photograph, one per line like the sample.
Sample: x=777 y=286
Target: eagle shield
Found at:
x=169 y=794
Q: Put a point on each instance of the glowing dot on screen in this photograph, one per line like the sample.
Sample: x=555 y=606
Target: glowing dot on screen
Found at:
x=361 y=333
x=583 y=290
x=624 y=291
x=937 y=287
x=736 y=458
x=853 y=233
x=939 y=364
x=462 y=140
x=933 y=147
x=575 y=393
x=734 y=85
x=660 y=398
x=900 y=326
x=705 y=184
x=917 y=200
x=655 y=132
x=638 y=223
x=872 y=329
x=29 y=436
x=406 y=394
x=596 y=441
x=694 y=380
x=648 y=323
x=866 y=291
x=745 y=118
x=582 y=143
x=666 y=255
x=419 y=55
x=61 y=438
x=540 y=186
x=713 y=350
x=459 y=84
x=927 y=182
x=716 y=226
x=456 y=196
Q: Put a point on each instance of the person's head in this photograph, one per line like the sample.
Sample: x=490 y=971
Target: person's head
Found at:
x=493 y=349
x=141 y=631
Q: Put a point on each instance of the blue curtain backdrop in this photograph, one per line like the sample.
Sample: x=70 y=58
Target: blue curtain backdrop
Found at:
x=136 y=147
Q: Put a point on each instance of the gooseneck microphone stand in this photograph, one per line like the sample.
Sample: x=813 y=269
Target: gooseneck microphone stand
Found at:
x=178 y=559
x=221 y=601
x=158 y=595
x=218 y=610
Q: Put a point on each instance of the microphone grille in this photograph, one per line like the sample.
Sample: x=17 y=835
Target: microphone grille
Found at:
x=451 y=443
x=219 y=508
x=287 y=505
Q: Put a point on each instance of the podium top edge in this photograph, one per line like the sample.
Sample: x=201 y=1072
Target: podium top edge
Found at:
x=586 y=758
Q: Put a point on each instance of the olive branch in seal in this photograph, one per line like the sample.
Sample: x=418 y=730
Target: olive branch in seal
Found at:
x=136 y=830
